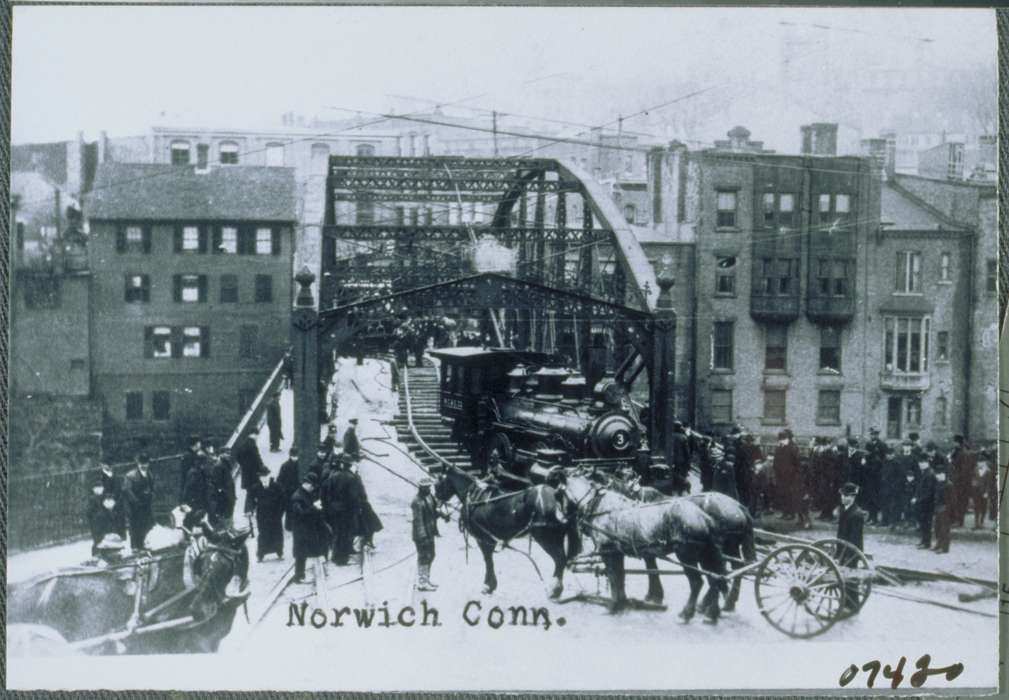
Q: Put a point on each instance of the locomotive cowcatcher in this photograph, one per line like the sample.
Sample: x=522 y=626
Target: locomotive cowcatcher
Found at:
x=506 y=405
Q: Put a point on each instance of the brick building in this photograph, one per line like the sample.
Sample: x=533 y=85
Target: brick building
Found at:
x=191 y=294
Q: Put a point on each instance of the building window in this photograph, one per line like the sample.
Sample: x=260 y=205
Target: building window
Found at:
x=726 y=215
x=134 y=405
x=774 y=406
x=842 y=204
x=776 y=348
x=992 y=277
x=905 y=344
x=228 y=153
x=828 y=407
x=133 y=239
x=894 y=418
x=202 y=155
x=180 y=152
x=941 y=417
x=722 y=351
x=786 y=209
x=229 y=289
x=247 y=341
x=908 y=279
x=777 y=276
x=264 y=289
x=364 y=149
x=160 y=346
x=721 y=406
x=190 y=289
x=190 y=239
x=725 y=276
x=264 y=241
x=830 y=349
x=275 y=154
x=768 y=208
x=138 y=289
x=228 y=242
x=824 y=204
x=161 y=405
x=194 y=341
x=942 y=346
x=944 y=268
x=913 y=414
x=629 y=213
x=832 y=277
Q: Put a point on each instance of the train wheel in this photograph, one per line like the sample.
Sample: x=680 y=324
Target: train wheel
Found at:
x=499 y=454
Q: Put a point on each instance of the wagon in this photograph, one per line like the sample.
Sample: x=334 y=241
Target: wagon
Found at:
x=801 y=588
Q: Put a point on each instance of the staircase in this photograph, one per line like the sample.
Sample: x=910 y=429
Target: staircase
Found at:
x=427 y=420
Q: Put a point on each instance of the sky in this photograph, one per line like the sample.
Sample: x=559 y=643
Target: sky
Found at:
x=122 y=69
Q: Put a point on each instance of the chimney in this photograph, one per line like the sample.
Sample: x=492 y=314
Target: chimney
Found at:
x=739 y=138
x=819 y=139
x=890 y=161
x=666 y=184
x=103 y=147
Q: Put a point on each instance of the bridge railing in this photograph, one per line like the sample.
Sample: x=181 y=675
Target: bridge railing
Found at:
x=51 y=508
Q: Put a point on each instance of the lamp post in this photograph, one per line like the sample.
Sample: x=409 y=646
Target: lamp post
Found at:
x=305 y=341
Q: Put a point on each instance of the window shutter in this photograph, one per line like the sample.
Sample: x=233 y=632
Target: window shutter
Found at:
x=204 y=341
x=203 y=289
x=244 y=235
x=120 y=239
x=146 y=293
x=176 y=342
x=177 y=288
x=217 y=241
x=148 y=342
x=203 y=239
x=178 y=239
x=146 y=237
x=275 y=240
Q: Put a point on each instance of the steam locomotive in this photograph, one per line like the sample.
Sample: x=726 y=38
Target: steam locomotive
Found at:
x=505 y=406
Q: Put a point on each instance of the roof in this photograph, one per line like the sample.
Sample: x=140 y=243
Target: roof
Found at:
x=899 y=212
x=159 y=191
x=485 y=356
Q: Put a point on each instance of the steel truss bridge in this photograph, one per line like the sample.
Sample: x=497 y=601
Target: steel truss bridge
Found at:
x=531 y=247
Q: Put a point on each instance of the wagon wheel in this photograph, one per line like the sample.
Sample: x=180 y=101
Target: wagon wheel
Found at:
x=856 y=569
x=799 y=590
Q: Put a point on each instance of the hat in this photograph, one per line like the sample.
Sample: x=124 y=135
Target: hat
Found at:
x=930 y=445
x=194 y=439
x=264 y=471
x=852 y=442
x=353 y=421
x=958 y=438
x=293 y=451
x=782 y=434
x=311 y=478
x=913 y=437
x=142 y=458
x=426 y=482
x=874 y=431
x=849 y=489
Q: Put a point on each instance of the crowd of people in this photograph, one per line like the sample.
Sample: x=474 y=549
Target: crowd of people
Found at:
x=909 y=487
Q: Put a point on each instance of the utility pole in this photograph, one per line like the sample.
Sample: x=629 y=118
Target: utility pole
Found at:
x=493 y=116
x=620 y=143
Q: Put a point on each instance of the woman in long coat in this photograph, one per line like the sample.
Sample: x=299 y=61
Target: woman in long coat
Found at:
x=270 y=507
x=311 y=533
x=368 y=522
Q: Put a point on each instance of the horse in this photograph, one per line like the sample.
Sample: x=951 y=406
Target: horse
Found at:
x=621 y=526
x=491 y=515
x=92 y=601
x=732 y=520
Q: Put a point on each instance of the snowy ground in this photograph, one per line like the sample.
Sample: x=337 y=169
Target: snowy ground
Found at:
x=584 y=647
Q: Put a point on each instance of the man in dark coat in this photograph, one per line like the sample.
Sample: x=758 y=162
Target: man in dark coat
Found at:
x=105 y=515
x=330 y=443
x=962 y=461
x=273 y=422
x=221 y=488
x=984 y=476
x=289 y=477
x=724 y=477
x=425 y=511
x=788 y=474
x=924 y=502
x=742 y=459
x=876 y=452
x=138 y=497
x=893 y=482
x=680 y=447
x=850 y=529
x=351 y=445
x=706 y=465
x=368 y=522
x=341 y=505
x=288 y=369
x=110 y=481
x=321 y=465
x=822 y=469
x=250 y=463
x=853 y=464
x=941 y=508
x=196 y=492
x=190 y=458
x=311 y=534
x=270 y=507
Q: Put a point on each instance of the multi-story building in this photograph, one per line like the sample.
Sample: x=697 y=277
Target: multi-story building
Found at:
x=191 y=293
x=778 y=257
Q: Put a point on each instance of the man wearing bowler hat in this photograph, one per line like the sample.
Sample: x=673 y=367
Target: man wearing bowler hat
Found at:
x=311 y=533
x=850 y=528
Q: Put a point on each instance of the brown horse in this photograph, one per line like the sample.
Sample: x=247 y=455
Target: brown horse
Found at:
x=621 y=526
x=492 y=515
